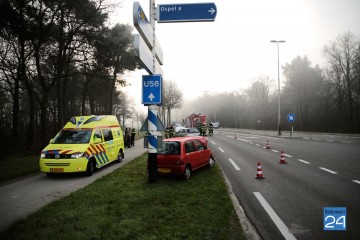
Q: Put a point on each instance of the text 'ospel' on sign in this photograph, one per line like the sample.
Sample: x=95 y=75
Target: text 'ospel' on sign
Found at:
x=170 y=9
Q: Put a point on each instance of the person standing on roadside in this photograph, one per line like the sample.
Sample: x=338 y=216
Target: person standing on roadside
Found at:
x=127 y=138
x=133 y=133
x=171 y=131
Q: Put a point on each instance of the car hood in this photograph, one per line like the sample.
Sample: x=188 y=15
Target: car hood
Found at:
x=66 y=148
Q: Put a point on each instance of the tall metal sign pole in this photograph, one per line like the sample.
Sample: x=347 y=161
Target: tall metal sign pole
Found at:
x=279 y=116
x=149 y=53
x=152 y=110
x=148 y=50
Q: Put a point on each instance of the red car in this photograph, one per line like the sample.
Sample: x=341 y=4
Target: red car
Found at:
x=182 y=155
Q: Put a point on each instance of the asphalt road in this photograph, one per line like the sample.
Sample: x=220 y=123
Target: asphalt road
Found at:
x=322 y=170
x=21 y=198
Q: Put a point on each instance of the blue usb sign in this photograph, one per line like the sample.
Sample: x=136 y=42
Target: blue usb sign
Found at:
x=335 y=218
x=151 y=89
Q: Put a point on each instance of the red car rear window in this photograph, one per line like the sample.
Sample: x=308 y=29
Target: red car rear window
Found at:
x=169 y=148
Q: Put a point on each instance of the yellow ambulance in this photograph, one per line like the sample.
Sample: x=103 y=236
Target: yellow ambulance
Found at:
x=86 y=143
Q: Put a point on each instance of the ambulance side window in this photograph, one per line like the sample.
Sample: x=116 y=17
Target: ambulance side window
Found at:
x=97 y=134
x=107 y=134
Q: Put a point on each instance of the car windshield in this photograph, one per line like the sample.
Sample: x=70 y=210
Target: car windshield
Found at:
x=73 y=137
x=169 y=148
x=193 y=130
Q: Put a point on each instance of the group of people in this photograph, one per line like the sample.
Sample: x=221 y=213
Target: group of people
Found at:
x=170 y=131
x=129 y=137
x=203 y=128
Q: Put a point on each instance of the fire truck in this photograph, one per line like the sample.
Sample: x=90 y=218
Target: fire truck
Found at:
x=195 y=120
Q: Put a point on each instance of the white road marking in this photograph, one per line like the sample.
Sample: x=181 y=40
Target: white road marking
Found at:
x=257 y=145
x=251 y=142
x=345 y=142
x=306 y=138
x=213 y=143
x=287 y=155
x=303 y=161
x=221 y=149
x=15 y=196
x=328 y=170
x=274 y=150
x=356 y=181
x=276 y=219
x=243 y=140
x=234 y=164
x=251 y=137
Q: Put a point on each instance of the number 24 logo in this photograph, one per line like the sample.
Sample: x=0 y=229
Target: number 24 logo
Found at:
x=336 y=221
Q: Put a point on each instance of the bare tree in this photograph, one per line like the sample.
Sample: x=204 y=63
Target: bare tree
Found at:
x=302 y=87
x=122 y=107
x=336 y=92
x=139 y=117
x=172 y=98
x=342 y=56
x=259 y=94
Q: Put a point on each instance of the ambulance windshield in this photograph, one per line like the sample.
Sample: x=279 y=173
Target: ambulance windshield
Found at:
x=73 y=136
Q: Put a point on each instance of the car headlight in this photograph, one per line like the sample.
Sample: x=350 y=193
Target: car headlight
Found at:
x=42 y=155
x=77 y=155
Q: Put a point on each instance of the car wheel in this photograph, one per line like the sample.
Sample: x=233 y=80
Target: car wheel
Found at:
x=120 y=156
x=187 y=173
x=89 y=168
x=211 y=161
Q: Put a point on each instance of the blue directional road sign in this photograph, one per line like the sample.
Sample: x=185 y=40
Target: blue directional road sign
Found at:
x=188 y=12
x=291 y=117
x=151 y=89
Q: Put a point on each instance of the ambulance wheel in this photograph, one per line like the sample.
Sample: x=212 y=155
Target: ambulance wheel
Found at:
x=90 y=168
x=120 y=156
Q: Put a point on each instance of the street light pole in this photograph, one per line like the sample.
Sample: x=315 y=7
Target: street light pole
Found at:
x=277 y=43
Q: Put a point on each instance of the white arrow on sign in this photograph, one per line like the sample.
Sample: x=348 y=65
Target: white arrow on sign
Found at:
x=212 y=11
x=151 y=97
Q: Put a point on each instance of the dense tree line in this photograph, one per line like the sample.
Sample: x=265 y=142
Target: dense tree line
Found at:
x=58 y=58
x=323 y=99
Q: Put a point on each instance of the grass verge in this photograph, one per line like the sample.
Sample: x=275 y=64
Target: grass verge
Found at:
x=18 y=165
x=123 y=205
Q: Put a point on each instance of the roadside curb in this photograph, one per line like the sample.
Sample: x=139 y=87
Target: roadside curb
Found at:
x=248 y=228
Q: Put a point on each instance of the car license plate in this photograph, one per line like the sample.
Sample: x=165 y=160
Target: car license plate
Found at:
x=164 y=170
x=56 y=170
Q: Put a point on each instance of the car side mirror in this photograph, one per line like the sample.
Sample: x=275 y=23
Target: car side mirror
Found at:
x=51 y=140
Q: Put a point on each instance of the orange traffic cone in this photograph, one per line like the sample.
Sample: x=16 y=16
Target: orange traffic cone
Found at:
x=267 y=145
x=259 y=173
x=282 y=158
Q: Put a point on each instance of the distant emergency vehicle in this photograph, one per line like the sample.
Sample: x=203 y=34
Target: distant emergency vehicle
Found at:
x=195 y=120
x=85 y=144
